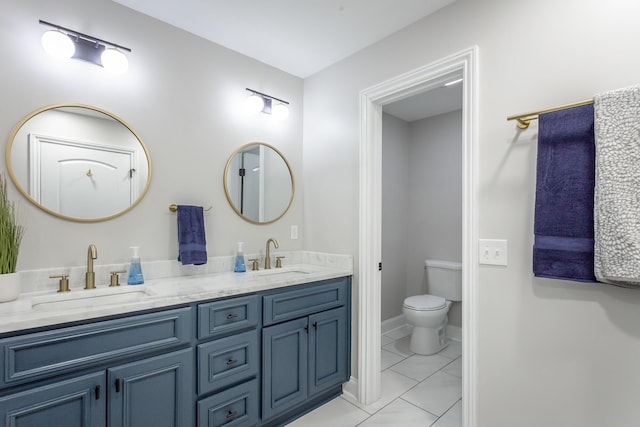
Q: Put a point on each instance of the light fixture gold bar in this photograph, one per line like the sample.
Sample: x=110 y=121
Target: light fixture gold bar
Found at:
x=525 y=119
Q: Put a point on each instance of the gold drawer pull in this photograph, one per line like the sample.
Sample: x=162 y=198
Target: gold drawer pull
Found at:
x=231 y=316
x=232 y=362
x=231 y=414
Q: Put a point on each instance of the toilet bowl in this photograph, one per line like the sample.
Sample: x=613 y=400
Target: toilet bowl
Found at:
x=427 y=313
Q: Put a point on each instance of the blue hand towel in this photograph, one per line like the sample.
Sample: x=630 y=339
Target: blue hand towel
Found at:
x=564 y=245
x=191 y=236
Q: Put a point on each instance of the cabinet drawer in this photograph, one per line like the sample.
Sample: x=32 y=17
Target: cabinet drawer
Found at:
x=44 y=354
x=304 y=301
x=236 y=407
x=227 y=360
x=219 y=317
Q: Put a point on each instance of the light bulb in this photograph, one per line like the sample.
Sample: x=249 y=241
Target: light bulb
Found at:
x=280 y=111
x=58 y=44
x=114 y=60
x=254 y=103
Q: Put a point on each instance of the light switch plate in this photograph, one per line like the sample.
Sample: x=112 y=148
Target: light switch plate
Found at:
x=294 y=232
x=492 y=251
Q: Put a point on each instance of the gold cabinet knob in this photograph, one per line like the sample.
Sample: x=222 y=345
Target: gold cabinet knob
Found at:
x=114 y=277
x=63 y=284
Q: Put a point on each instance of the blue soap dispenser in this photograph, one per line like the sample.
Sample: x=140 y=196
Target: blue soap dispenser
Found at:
x=239 y=266
x=135 y=271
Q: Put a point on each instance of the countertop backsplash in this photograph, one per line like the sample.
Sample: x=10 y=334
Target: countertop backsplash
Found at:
x=38 y=280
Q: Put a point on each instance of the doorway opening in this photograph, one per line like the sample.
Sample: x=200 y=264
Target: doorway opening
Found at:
x=372 y=100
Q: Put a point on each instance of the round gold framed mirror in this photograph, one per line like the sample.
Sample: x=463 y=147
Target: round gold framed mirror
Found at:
x=78 y=162
x=259 y=183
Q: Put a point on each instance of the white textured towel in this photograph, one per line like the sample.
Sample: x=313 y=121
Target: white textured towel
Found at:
x=617 y=188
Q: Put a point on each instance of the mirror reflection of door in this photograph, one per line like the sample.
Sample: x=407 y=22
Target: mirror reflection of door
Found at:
x=82 y=180
x=251 y=193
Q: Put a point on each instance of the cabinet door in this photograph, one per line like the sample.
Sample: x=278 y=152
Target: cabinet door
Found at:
x=78 y=402
x=157 y=392
x=284 y=366
x=328 y=349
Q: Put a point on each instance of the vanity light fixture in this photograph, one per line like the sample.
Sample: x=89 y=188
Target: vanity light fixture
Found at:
x=261 y=102
x=61 y=42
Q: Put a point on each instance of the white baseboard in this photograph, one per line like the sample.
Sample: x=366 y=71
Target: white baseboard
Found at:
x=453 y=332
x=393 y=323
x=350 y=390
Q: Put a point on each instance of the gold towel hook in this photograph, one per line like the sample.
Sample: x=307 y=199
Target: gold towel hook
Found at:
x=173 y=207
x=89 y=173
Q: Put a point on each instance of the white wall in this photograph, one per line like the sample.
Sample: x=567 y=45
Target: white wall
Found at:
x=182 y=95
x=395 y=214
x=549 y=353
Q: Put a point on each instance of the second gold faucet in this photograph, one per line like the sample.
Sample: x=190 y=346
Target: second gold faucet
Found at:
x=267 y=259
x=90 y=276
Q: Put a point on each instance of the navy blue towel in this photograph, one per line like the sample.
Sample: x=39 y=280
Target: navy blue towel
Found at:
x=563 y=247
x=192 y=241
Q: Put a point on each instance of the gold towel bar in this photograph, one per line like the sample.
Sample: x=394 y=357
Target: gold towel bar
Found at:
x=525 y=119
x=173 y=207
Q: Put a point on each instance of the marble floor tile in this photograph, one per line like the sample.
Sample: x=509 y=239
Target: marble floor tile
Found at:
x=336 y=413
x=400 y=346
x=384 y=340
x=436 y=394
x=451 y=418
x=400 y=413
x=392 y=386
x=388 y=359
x=420 y=367
x=454 y=368
x=453 y=350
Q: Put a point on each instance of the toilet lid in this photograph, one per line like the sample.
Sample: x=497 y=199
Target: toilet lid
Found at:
x=425 y=302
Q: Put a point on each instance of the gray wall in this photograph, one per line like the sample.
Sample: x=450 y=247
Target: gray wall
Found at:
x=421 y=204
x=183 y=95
x=395 y=214
x=547 y=352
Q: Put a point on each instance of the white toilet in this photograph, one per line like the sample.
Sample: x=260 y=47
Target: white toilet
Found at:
x=428 y=313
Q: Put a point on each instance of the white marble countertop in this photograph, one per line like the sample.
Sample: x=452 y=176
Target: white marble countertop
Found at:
x=47 y=307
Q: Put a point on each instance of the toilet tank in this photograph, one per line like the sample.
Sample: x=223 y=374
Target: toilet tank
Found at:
x=444 y=279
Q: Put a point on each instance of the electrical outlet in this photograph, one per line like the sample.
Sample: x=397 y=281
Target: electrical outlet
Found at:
x=294 y=232
x=492 y=251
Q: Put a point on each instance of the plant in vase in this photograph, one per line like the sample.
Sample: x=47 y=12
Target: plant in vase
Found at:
x=11 y=232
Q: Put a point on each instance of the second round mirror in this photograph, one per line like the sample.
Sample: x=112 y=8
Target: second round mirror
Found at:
x=258 y=183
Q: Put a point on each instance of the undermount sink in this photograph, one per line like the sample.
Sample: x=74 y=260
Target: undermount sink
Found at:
x=283 y=273
x=90 y=298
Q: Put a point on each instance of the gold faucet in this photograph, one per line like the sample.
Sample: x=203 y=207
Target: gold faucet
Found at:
x=90 y=277
x=267 y=260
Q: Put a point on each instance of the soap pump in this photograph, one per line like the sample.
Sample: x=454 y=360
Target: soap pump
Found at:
x=135 y=271
x=239 y=266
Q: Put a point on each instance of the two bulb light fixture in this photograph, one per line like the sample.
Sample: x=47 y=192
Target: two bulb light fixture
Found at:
x=261 y=102
x=64 y=43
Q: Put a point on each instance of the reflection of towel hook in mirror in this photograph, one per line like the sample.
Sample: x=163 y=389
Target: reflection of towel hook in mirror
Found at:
x=89 y=173
x=131 y=171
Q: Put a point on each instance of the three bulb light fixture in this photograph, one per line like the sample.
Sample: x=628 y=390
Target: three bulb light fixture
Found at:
x=64 y=43
x=261 y=102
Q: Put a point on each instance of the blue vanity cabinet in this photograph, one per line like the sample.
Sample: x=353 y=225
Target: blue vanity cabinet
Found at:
x=305 y=349
x=156 y=391
x=135 y=371
x=228 y=362
x=77 y=402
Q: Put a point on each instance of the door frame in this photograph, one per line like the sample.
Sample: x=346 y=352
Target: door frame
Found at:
x=370 y=212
